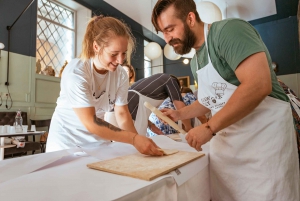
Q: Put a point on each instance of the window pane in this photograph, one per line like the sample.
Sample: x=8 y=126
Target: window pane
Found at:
x=147 y=63
x=55 y=41
x=147 y=68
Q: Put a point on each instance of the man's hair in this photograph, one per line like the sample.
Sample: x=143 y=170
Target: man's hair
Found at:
x=182 y=7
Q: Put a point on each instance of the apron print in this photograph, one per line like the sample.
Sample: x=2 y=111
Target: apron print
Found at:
x=219 y=89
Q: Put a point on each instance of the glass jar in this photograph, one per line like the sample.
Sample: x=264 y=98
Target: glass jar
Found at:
x=18 y=122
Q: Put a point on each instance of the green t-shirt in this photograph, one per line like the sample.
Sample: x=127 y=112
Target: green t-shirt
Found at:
x=231 y=41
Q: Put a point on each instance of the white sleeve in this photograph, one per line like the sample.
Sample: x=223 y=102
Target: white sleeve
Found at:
x=77 y=87
x=122 y=91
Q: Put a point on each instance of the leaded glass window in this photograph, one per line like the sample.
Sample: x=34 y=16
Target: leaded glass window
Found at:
x=55 y=36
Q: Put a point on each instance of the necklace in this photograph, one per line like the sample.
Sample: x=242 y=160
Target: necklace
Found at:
x=100 y=84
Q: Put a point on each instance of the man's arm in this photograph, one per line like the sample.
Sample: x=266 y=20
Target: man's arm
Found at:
x=187 y=112
x=255 y=78
x=186 y=122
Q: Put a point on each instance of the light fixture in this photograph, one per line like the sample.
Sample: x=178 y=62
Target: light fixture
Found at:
x=209 y=12
x=190 y=54
x=153 y=50
x=186 y=61
x=1 y=47
x=170 y=53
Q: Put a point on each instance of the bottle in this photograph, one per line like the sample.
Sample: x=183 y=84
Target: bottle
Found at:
x=18 y=122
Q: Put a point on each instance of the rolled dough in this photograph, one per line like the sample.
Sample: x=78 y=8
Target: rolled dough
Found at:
x=168 y=151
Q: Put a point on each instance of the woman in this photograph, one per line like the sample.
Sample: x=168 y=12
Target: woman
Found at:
x=93 y=85
x=130 y=72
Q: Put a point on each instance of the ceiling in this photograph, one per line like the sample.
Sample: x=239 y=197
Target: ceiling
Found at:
x=140 y=10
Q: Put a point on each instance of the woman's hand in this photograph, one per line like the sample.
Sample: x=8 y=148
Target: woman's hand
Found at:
x=172 y=114
x=198 y=136
x=146 y=146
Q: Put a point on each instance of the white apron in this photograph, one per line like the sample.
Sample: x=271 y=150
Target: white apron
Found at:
x=255 y=158
x=143 y=113
x=66 y=129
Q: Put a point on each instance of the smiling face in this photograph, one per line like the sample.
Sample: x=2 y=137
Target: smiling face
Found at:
x=110 y=56
x=176 y=32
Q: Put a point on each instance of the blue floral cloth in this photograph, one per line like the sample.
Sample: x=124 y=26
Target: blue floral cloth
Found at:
x=188 y=99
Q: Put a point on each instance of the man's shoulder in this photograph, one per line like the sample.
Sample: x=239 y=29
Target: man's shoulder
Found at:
x=228 y=26
x=220 y=24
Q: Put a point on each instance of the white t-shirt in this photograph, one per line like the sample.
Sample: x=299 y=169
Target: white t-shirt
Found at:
x=77 y=87
x=78 y=91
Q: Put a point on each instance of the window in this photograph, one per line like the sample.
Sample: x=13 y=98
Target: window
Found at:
x=147 y=63
x=55 y=42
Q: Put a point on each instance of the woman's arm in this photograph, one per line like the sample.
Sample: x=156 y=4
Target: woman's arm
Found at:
x=107 y=131
x=124 y=119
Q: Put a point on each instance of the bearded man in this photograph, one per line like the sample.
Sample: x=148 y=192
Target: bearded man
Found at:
x=253 y=154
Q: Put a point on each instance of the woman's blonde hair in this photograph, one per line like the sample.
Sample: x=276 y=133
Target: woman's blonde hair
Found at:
x=101 y=29
x=132 y=71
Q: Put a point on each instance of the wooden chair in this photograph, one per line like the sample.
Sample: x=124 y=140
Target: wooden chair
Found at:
x=39 y=124
x=8 y=118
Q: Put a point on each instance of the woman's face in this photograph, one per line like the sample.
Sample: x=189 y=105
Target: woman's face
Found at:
x=112 y=55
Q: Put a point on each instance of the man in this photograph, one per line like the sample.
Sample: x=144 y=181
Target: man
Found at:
x=154 y=89
x=253 y=156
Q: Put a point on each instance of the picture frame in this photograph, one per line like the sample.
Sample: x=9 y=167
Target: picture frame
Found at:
x=184 y=81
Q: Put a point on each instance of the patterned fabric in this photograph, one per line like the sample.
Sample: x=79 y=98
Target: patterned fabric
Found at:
x=295 y=115
x=188 y=99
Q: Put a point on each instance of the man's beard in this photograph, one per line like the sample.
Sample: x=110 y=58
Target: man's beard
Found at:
x=185 y=45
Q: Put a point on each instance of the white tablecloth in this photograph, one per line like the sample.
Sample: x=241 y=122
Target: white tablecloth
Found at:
x=64 y=176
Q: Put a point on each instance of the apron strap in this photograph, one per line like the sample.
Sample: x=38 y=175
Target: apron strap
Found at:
x=205 y=35
x=294 y=101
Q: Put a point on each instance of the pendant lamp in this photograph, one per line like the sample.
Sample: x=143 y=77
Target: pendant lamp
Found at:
x=209 y=12
x=170 y=53
x=153 y=50
x=190 y=54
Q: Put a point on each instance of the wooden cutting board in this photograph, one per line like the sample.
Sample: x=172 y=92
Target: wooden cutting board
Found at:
x=145 y=167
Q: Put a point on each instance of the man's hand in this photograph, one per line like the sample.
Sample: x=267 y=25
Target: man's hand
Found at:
x=146 y=146
x=172 y=114
x=198 y=136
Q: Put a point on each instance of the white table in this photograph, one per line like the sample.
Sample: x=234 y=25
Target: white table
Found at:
x=64 y=176
x=3 y=135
